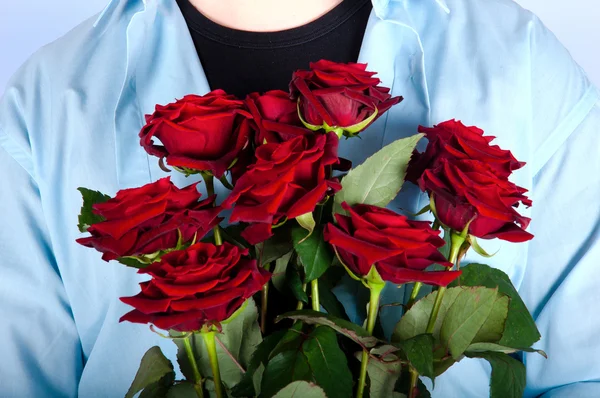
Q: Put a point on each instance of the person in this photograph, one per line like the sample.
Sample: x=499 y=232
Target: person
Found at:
x=71 y=115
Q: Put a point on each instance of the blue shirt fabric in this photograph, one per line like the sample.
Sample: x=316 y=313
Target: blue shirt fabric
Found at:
x=71 y=115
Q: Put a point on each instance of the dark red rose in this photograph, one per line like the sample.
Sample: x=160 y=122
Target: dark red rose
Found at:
x=341 y=95
x=276 y=117
x=400 y=249
x=204 y=133
x=287 y=180
x=143 y=221
x=468 y=179
x=201 y=285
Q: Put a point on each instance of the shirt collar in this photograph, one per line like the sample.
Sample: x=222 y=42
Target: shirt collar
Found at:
x=380 y=6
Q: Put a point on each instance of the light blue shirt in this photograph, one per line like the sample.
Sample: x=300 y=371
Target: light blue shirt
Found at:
x=71 y=117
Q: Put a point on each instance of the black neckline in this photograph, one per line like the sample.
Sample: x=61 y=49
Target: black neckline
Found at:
x=270 y=40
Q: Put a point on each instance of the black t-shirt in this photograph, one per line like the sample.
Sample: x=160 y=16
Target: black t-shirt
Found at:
x=242 y=62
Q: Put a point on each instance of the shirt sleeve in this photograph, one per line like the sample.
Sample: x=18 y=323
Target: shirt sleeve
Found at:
x=561 y=283
x=40 y=350
x=561 y=280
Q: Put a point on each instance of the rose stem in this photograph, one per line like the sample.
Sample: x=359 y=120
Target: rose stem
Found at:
x=414 y=378
x=456 y=243
x=314 y=295
x=264 y=303
x=413 y=295
x=375 y=295
x=210 y=190
x=211 y=347
x=300 y=304
x=263 y=309
x=192 y=359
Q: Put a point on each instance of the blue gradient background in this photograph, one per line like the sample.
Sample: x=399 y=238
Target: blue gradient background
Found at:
x=26 y=25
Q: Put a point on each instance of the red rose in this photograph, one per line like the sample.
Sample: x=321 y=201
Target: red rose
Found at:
x=400 y=249
x=287 y=180
x=142 y=221
x=468 y=179
x=341 y=95
x=201 y=285
x=276 y=117
x=204 y=133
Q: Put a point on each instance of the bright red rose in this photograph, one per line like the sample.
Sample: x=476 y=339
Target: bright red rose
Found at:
x=142 y=221
x=400 y=249
x=276 y=117
x=468 y=179
x=204 y=133
x=202 y=285
x=287 y=180
x=341 y=95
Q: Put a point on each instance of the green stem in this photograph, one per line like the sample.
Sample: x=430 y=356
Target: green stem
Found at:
x=415 y=292
x=210 y=191
x=375 y=295
x=264 y=303
x=314 y=295
x=192 y=359
x=456 y=242
x=362 y=379
x=300 y=304
x=211 y=347
x=414 y=378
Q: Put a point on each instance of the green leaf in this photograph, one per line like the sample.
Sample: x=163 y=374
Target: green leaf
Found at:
x=306 y=221
x=465 y=317
x=240 y=337
x=328 y=363
x=379 y=179
x=478 y=249
x=494 y=324
x=158 y=389
x=315 y=254
x=328 y=300
x=155 y=370
x=287 y=364
x=403 y=385
x=383 y=372
x=233 y=234
x=294 y=283
x=182 y=390
x=301 y=389
x=87 y=217
x=132 y=262
x=414 y=322
x=520 y=329
x=484 y=347
x=246 y=388
x=276 y=246
x=508 y=375
x=281 y=265
x=346 y=328
x=419 y=352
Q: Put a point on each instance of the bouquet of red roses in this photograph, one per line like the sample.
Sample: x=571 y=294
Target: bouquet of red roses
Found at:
x=249 y=302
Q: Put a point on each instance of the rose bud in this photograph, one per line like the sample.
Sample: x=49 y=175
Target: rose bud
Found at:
x=143 y=222
x=202 y=285
x=286 y=181
x=400 y=249
x=344 y=98
x=467 y=179
x=276 y=117
x=199 y=133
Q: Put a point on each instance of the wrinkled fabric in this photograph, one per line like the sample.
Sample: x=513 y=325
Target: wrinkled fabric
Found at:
x=71 y=116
